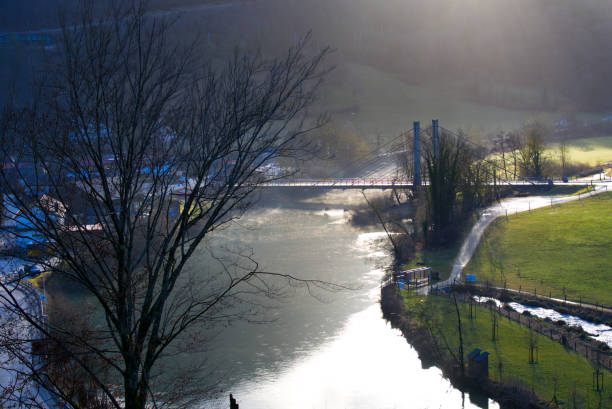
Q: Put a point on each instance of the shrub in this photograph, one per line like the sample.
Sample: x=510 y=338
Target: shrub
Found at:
x=535 y=303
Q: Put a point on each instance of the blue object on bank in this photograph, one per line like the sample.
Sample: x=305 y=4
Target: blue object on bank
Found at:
x=470 y=277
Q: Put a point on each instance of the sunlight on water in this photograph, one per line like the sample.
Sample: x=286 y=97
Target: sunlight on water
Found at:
x=371 y=245
x=368 y=365
x=332 y=213
x=337 y=354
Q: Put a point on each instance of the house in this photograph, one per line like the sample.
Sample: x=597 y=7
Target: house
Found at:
x=45 y=209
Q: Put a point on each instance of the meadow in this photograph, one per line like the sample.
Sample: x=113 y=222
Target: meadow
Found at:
x=561 y=251
x=592 y=151
x=558 y=371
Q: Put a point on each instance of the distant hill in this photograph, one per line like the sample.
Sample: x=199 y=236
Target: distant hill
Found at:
x=30 y=15
x=536 y=55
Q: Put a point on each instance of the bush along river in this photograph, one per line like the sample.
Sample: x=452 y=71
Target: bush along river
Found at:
x=333 y=352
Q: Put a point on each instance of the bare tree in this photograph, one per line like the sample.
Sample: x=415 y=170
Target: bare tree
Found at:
x=501 y=145
x=533 y=346
x=533 y=158
x=563 y=156
x=134 y=153
x=400 y=238
x=460 y=181
x=460 y=336
x=444 y=172
x=514 y=145
x=494 y=324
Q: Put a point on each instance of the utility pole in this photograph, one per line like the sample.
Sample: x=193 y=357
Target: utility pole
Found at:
x=417 y=155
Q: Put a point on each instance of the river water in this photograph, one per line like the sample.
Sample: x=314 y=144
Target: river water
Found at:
x=335 y=353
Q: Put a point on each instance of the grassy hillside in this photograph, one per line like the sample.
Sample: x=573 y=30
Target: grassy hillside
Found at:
x=551 y=249
x=556 y=364
x=372 y=101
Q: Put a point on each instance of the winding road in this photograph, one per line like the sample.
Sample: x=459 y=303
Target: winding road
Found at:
x=511 y=206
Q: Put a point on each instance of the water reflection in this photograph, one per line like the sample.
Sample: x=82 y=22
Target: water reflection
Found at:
x=368 y=365
x=336 y=354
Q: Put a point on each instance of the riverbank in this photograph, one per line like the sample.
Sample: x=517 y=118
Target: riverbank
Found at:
x=562 y=375
x=422 y=338
x=525 y=368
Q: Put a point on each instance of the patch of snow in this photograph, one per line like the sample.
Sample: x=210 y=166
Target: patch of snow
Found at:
x=600 y=332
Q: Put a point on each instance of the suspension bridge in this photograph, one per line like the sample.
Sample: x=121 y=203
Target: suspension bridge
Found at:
x=395 y=164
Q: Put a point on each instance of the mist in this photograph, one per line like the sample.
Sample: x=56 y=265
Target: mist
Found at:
x=482 y=64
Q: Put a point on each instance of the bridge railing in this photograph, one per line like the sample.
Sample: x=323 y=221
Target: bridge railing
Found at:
x=347 y=182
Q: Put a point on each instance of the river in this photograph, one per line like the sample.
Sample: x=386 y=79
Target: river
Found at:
x=335 y=353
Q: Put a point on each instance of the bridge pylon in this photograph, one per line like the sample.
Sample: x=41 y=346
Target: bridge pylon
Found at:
x=416 y=180
x=435 y=138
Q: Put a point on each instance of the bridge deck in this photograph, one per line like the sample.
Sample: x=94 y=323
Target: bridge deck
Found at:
x=384 y=183
x=341 y=184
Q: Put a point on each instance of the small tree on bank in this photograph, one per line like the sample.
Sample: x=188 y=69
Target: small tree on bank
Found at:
x=150 y=151
x=532 y=151
x=563 y=156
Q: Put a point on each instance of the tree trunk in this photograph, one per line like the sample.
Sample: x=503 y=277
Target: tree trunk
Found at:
x=460 y=329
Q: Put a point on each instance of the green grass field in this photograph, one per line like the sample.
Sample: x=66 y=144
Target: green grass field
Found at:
x=551 y=249
x=588 y=150
x=555 y=363
x=440 y=260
